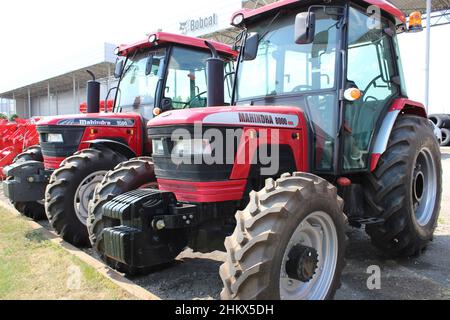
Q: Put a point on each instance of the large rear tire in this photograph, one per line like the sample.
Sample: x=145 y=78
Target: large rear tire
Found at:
x=35 y=209
x=71 y=188
x=445 y=137
x=127 y=176
x=405 y=189
x=289 y=243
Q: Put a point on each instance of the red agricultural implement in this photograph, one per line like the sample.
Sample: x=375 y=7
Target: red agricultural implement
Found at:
x=109 y=106
x=16 y=137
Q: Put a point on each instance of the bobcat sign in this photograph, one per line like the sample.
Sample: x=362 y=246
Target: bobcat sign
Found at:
x=201 y=24
x=205 y=17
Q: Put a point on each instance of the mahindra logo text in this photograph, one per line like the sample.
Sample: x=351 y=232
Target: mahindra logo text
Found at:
x=263 y=119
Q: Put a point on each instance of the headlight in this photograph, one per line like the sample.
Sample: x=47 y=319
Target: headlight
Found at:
x=158 y=147
x=55 y=137
x=237 y=19
x=191 y=147
x=152 y=38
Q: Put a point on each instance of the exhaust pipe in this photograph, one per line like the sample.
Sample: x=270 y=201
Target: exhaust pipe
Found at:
x=215 y=76
x=93 y=94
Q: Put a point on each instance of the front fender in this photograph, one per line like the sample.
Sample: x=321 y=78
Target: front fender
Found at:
x=114 y=145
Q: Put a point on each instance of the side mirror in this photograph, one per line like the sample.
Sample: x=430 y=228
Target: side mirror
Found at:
x=166 y=104
x=251 y=46
x=305 y=27
x=149 y=66
x=119 y=68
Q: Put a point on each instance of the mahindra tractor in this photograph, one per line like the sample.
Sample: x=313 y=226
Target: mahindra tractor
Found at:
x=164 y=72
x=320 y=134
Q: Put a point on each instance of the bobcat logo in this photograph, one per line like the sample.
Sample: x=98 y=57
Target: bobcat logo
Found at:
x=184 y=26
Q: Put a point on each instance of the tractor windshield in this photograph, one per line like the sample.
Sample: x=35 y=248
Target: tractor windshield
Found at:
x=137 y=90
x=286 y=73
x=186 y=85
x=179 y=80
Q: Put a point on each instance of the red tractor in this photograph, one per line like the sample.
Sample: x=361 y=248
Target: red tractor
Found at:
x=163 y=72
x=320 y=126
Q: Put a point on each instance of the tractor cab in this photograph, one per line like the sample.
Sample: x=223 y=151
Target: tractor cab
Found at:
x=163 y=72
x=339 y=63
x=166 y=72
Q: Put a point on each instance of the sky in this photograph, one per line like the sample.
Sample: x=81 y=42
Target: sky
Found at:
x=38 y=35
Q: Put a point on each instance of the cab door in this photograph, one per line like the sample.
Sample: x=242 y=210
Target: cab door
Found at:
x=371 y=67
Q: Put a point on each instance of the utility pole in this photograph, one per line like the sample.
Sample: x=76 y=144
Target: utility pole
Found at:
x=427 y=56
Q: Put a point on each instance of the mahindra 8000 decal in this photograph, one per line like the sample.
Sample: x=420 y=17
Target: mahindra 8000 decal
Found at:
x=253 y=118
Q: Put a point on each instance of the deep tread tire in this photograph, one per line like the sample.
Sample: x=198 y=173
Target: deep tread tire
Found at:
x=388 y=190
x=34 y=210
x=33 y=153
x=255 y=249
x=445 y=137
x=127 y=176
x=60 y=192
x=440 y=120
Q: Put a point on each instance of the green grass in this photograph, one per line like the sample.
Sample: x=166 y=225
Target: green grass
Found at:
x=32 y=267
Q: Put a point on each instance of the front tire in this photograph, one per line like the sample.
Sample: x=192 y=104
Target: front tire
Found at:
x=70 y=189
x=299 y=217
x=405 y=189
x=34 y=209
x=127 y=176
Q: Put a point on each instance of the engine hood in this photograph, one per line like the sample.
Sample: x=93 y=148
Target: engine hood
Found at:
x=92 y=120
x=255 y=116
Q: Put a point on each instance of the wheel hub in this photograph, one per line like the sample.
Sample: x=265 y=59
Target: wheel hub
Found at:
x=302 y=263
x=418 y=185
x=424 y=187
x=84 y=194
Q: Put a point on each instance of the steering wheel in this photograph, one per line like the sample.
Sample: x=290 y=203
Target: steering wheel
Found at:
x=302 y=87
x=371 y=83
x=186 y=104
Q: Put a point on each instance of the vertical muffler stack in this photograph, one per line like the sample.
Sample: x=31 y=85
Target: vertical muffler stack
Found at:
x=215 y=77
x=93 y=95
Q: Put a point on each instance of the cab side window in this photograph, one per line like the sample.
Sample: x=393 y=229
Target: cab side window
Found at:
x=370 y=68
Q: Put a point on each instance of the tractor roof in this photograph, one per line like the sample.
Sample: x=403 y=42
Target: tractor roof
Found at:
x=383 y=4
x=170 y=38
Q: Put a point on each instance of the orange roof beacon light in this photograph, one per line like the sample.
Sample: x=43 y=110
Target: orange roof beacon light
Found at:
x=415 y=22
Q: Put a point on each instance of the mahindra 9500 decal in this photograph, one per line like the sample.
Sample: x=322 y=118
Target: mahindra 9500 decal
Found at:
x=97 y=122
x=253 y=118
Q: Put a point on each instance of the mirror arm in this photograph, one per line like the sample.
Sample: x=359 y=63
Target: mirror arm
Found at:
x=239 y=60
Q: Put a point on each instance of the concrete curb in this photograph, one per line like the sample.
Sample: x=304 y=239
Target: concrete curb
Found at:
x=105 y=271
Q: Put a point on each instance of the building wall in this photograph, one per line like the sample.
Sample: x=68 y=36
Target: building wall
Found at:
x=412 y=47
x=22 y=108
x=60 y=102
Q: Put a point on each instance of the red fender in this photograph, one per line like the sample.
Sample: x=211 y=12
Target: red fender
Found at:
x=400 y=105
